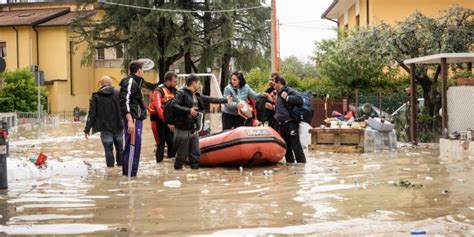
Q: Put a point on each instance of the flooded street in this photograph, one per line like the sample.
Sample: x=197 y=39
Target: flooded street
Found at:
x=333 y=194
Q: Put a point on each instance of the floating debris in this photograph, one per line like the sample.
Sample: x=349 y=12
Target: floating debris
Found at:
x=267 y=172
x=418 y=232
x=408 y=184
x=172 y=184
x=191 y=176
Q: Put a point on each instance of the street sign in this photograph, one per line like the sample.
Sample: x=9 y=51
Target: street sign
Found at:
x=148 y=64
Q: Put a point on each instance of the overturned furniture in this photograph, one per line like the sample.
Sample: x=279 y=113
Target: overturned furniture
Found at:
x=339 y=140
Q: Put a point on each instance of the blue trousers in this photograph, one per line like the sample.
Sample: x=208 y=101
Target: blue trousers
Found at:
x=130 y=161
x=109 y=139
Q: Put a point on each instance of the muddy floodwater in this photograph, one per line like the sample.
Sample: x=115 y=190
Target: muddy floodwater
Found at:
x=333 y=194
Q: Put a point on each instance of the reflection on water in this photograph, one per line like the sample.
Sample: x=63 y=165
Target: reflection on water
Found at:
x=331 y=194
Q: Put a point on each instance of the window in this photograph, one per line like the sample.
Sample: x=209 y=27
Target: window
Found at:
x=119 y=51
x=100 y=52
x=3 y=49
x=357 y=20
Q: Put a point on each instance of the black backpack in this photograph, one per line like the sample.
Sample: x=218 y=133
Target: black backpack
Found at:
x=304 y=112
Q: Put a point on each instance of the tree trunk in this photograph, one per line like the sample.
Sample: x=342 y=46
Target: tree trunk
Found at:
x=207 y=55
x=188 y=63
x=162 y=69
x=225 y=70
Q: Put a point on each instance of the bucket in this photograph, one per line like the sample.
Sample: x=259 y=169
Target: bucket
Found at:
x=41 y=159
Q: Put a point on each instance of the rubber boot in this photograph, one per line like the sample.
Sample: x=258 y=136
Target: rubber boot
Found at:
x=159 y=153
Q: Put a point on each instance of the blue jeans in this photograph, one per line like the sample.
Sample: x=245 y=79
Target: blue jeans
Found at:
x=109 y=139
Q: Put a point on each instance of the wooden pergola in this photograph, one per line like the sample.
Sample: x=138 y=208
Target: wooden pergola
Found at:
x=444 y=59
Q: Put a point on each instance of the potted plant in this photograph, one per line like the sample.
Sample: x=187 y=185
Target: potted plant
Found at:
x=464 y=78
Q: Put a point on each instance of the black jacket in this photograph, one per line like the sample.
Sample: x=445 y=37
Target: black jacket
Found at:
x=131 y=97
x=104 y=111
x=182 y=104
x=283 y=107
x=264 y=114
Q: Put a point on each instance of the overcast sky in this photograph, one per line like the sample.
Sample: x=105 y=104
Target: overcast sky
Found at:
x=301 y=25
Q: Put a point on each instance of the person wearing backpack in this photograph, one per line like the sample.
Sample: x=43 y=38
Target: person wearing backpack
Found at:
x=287 y=101
x=188 y=106
x=161 y=118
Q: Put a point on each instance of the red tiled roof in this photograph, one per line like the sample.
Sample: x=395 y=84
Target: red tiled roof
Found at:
x=67 y=19
x=30 y=17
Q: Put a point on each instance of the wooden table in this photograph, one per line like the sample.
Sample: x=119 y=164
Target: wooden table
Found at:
x=338 y=140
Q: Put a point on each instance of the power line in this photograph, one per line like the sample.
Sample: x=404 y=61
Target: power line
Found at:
x=180 y=10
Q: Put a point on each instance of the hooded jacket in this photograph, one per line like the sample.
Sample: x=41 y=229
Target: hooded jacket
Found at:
x=283 y=107
x=104 y=111
x=131 y=97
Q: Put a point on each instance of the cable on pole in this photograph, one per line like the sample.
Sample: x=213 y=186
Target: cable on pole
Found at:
x=179 y=10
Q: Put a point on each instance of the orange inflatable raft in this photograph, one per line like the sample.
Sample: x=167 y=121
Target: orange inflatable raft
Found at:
x=242 y=146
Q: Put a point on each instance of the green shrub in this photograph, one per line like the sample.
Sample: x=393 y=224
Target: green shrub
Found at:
x=19 y=92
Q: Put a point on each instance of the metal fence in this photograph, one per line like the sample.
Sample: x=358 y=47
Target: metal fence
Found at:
x=50 y=118
x=324 y=108
x=386 y=104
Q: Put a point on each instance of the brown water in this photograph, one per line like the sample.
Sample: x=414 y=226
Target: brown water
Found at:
x=333 y=194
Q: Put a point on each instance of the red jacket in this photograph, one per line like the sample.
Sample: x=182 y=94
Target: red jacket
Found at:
x=159 y=97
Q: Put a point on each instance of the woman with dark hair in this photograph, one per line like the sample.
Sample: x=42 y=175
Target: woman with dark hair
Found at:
x=240 y=92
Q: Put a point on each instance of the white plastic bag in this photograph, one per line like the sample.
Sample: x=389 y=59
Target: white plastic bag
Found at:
x=305 y=136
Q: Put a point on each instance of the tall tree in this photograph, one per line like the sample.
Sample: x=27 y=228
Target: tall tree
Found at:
x=201 y=39
x=364 y=56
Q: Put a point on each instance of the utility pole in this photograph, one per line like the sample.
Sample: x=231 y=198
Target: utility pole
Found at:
x=275 y=39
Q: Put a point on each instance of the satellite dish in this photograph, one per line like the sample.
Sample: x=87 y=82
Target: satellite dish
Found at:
x=148 y=64
x=3 y=65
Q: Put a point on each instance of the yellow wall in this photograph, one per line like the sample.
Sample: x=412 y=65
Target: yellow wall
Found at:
x=8 y=35
x=390 y=11
x=83 y=78
x=352 y=16
x=363 y=12
x=27 y=49
x=114 y=73
x=341 y=21
x=54 y=60
x=53 y=52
